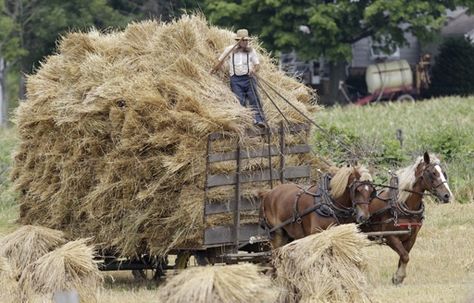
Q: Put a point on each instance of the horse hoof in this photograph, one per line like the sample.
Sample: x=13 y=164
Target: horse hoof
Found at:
x=397 y=280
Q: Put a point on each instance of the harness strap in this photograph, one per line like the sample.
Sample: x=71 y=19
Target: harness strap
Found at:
x=396 y=208
x=296 y=215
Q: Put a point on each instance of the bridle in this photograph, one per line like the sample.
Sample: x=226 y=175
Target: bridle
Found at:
x=353 y=187
x=345 y=212
x=427 y=175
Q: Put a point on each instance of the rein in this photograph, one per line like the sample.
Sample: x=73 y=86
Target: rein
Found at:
x=396 y=187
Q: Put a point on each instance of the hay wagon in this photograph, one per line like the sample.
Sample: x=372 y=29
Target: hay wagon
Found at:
x=236 y=239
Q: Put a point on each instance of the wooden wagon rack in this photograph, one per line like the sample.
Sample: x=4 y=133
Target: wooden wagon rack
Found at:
x=237 y=236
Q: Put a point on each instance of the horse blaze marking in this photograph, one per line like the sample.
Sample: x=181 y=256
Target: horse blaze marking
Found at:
x=443 y=179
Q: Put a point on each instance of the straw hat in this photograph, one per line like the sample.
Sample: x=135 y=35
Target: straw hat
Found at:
x=242 y=34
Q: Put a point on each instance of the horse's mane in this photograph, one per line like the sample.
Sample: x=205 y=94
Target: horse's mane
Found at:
x=406 y=177
x=341 y=178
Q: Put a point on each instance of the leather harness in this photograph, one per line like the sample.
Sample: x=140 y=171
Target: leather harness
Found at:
x=324 y=205
x=397 y=209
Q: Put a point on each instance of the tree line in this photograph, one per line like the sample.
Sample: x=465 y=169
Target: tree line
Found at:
x=29 y=29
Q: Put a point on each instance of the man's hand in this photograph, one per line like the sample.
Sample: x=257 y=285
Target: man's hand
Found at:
x=253 y=71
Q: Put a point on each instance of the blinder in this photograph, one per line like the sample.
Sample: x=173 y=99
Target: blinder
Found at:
x=355 y=185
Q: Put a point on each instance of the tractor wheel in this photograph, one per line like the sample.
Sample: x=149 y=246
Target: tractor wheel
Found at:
x=405 y=98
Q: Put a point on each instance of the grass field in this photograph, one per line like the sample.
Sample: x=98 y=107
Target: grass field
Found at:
x=442 y=126
x=8 y=208
x=441 y=267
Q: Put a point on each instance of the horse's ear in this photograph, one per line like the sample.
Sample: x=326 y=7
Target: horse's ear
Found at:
x=426 y=157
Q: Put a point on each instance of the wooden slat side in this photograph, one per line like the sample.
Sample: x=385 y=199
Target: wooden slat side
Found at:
x=223 y=234
x=275 y=151
x=260 y=176
x=293 y=128
x=226 y=207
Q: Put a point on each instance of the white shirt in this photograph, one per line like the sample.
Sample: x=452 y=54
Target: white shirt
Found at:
x=240 y=63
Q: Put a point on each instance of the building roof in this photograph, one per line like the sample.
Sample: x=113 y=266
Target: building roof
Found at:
x=459 y=23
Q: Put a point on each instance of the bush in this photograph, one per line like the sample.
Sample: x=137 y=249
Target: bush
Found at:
x=453 y=72
x=442 y=126
x=336 y=143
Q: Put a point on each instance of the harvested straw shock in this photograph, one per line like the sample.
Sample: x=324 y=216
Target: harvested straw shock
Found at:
x=27 y=244
x=68 y=268
x=241 y=283
x=113 y=133
x=324 y=267
x=9 y=291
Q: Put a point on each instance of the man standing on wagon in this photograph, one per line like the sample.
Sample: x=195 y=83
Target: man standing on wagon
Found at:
x=243 y=65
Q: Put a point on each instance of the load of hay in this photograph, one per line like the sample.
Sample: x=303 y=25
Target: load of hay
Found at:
x=113 y=133
x=67 y=271
x=325 y=267
x=27 y=244
x=219 y=284
x=9 y=290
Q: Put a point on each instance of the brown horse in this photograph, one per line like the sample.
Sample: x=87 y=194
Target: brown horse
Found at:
x=401 y=207
x=343 y=198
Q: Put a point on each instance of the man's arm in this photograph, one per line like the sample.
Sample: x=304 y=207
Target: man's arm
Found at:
x=255 y=62
x=222 y=58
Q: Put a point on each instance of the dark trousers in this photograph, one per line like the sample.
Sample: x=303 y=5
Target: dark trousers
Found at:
x=245 y=88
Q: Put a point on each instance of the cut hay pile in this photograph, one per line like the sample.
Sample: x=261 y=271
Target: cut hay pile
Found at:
x=241 y=283
x=27 y=244
x=326 y=267
x=69 y=268
x=113 y=133
x=9 y=291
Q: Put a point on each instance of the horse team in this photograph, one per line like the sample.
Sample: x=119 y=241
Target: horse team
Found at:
x=349 y=195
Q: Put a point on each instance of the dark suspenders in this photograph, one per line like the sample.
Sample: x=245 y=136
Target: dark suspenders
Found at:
x=248 y=65
x=233 y=64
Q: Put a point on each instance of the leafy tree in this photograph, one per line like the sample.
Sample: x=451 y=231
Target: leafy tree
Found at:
x=160 y=9
x=10 y=47
x=453 y=72
x=328 y=28
x=40 y=22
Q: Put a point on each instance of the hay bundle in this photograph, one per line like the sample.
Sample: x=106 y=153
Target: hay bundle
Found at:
x=325 y=267
x=113 y=133
x=219 y=284
x=9 y=291
x=27 y=244
x=68 y=268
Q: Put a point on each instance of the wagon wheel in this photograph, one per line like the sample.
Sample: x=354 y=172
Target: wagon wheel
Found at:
x=202 y=258
x=182 y=259
x=147 y=274
x=153 y=274
x=405 y=98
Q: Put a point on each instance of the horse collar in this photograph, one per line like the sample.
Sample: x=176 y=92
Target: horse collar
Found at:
x=328 y=201
x=400 y=209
